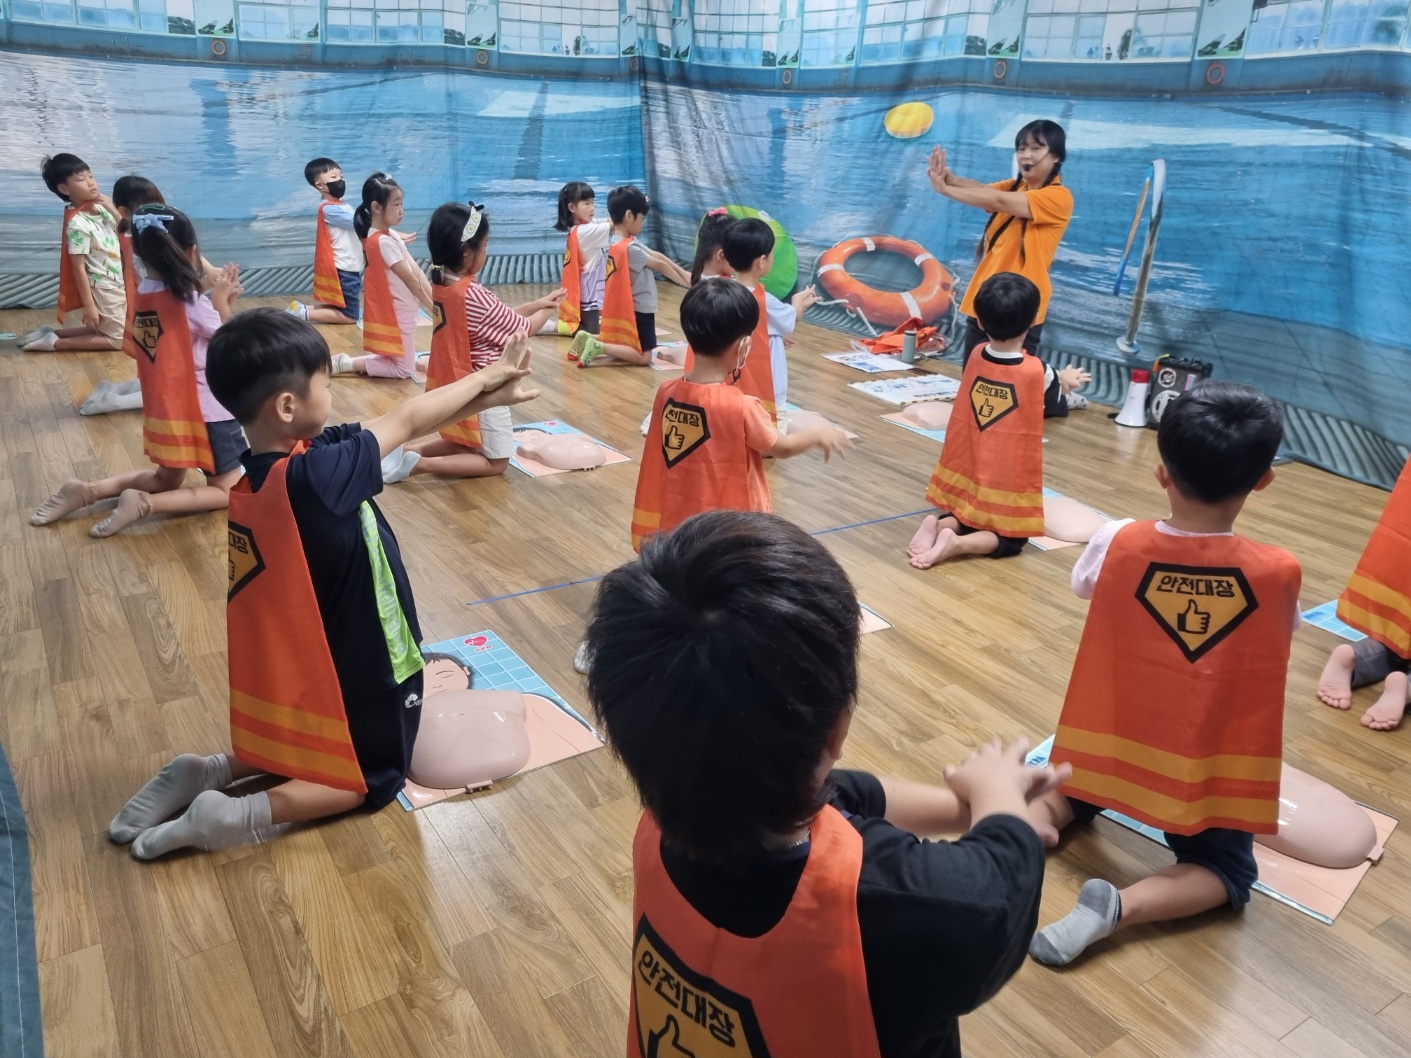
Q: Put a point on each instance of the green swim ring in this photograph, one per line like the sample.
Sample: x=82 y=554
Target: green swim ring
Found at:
x=785 y=273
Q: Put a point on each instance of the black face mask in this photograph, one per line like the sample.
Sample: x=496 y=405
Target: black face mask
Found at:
x=336 y=187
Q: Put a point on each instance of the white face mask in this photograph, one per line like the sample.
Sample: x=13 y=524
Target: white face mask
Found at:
x=739 y=368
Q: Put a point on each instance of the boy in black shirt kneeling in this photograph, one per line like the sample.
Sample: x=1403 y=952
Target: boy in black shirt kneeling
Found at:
x=783 y=907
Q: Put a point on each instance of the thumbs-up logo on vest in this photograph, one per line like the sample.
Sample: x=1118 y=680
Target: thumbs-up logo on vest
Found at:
x=991 y=401
x=1196 y=606
x=684 y=428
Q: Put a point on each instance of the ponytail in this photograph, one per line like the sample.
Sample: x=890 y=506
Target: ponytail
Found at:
x=162 y=238
x=376 y=188
x=572 y=193
x=710 y=236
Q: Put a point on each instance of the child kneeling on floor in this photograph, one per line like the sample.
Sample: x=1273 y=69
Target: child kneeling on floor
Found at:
x=989 y=481
x=1175 y=711
x=325 y=671
x=782 y=906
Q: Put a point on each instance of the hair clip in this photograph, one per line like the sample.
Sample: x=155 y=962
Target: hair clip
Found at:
x=142 y=221
x=472 y=225
x=720 y=212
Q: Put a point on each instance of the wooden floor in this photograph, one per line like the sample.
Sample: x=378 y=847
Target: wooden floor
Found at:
x=498 y=925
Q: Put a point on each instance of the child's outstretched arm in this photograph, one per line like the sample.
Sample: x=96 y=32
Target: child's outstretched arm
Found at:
x=659 y=262
x=804 y=300
x=825 y=436
x=498 y=385
x=540 y=312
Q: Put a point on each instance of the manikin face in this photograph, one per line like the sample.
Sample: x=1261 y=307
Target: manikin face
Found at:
x=1034 y=161
x=442 y=674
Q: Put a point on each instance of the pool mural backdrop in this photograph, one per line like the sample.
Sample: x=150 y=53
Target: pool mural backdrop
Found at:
x=1279 y=258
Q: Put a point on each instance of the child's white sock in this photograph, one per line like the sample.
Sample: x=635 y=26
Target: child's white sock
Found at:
x=214 y=821
x=168 y=792
x=43 y=344
x=36 y=334
x=398 y=466
x=1096 y=915
x=107 y=397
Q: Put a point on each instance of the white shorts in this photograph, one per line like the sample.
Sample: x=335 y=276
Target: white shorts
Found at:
x=496 y=433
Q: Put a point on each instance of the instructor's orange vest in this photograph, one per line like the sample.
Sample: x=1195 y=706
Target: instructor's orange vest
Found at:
x=1377 y=599
x=1175 y=711
x=619 y=318
x=327 y=289
x=696 y=458
x=286 y=705
x=799 y=991
x=129 y=282
x=173 y=428
x=571 y=307
x=381 y=332
x=450 y=354
x=991 y=471
x=69 y=297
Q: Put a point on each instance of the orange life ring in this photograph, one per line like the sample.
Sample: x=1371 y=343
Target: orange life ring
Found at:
x=1215 y=74
x=925 y=302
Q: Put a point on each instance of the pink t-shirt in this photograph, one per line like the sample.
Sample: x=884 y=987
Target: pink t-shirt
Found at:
x=203 y=320
x=491 y=323
x=403 y=300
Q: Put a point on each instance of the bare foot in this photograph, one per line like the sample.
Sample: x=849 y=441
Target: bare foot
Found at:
x=939 y=552
x=73 y=495
x=1387 y=711
x=133 y=505
x=1335 y=685
x=925 y=537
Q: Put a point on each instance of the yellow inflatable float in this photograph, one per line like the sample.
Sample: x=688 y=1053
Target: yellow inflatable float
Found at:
x=909 y=120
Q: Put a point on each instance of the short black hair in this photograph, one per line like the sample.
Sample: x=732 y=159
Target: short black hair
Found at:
x=1006 y=306
x=1218 y=439
x=746 y=241
x=721 y=660
x=131 y=191
x=261 y=352
x=572 y=193
x=317 y=168
x=716 y=313
x=622 y=199
x=57 y=168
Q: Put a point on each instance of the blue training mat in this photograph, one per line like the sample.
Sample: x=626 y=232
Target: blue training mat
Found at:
x=21 y=1029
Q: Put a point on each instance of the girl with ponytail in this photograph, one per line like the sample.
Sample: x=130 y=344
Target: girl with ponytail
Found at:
x=183 y=425
x=393 y=286
x=473 y=329
x=1028 y=216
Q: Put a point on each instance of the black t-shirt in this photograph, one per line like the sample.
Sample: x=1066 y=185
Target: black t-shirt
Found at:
x=327 y=484
x=944 y=923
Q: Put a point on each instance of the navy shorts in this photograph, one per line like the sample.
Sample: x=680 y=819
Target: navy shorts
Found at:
x=647 y=330
x=1227 y=854
x=228 y=444
x=591 y=321
x=352 y=284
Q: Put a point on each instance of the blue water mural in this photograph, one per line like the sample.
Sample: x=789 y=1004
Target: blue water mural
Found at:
x=228 y=145
x=1280 y=258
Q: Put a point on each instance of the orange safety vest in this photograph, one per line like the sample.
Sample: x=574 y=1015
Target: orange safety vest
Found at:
x=69 y=297
x=286 y=705
x=571 y=307
x=991 y=471
x=450 y=354
x=173 y=428
x=696 y=458
x=1175 y=710
x=799 y=991
x=619 y=319
x=382 y=334
x=129 y=282
x=327 y=289
x=1377 y=599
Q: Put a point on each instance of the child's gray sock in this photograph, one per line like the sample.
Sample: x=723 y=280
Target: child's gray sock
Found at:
x=1096 y=915
x=168 y=792
x=214 y=821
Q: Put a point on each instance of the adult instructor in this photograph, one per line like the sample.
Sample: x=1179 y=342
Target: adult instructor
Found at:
x=1028 y=216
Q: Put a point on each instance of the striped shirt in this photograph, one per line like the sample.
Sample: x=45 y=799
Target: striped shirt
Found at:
x=491 y=323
